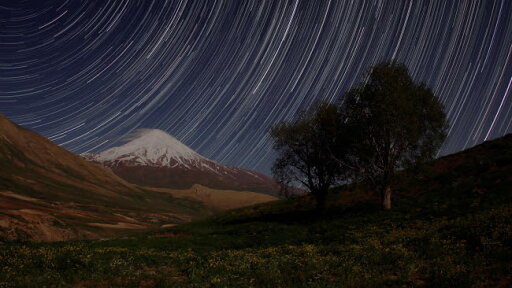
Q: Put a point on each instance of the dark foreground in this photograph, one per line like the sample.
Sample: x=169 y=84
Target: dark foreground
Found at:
x=450 y=227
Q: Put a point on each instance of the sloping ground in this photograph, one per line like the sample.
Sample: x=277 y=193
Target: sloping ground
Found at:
x=23 y=217
x=450 y=227
x=218 y=199
x=471 y=172
x=48 y=193
x=223 y=178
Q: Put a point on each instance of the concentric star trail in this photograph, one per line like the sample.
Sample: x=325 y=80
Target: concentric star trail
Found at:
x=218 y=74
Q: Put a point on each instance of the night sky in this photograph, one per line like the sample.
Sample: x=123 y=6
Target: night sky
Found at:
x=218 y=74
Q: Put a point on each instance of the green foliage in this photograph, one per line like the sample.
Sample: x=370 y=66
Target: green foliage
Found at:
x=440 y=252
x=392 y=123
x=304 y=147
x=387 y=123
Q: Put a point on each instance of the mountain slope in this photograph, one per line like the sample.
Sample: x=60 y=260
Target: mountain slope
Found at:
x=154 y=158
x=48 y=193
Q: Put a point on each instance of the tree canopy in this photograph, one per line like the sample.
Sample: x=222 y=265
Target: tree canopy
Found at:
x=391 y=123
x=385 y=123
x=304 y=146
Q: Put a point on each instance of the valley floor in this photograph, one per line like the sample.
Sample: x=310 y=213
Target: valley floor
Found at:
x=354 y=247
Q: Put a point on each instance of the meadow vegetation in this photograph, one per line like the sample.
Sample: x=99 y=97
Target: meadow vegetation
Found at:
x=450 y=227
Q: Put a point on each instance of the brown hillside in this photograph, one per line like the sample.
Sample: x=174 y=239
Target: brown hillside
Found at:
x=49 y=193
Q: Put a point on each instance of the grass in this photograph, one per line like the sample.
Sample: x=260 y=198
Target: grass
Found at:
x=354 y=252
x=450 y=227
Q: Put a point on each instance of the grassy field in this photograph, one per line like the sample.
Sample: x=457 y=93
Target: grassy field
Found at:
x=450 y=227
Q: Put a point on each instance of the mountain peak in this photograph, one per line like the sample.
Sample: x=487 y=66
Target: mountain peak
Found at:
x=154 y=133
x=151 y=147
x=153 y=158
x=154 y=138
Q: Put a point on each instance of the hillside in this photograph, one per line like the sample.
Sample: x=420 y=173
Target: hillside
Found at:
x=450 y=227
x=48 y=193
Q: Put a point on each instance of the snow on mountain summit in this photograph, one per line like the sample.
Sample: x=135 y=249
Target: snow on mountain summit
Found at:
x=151 y=147
x=153 y=158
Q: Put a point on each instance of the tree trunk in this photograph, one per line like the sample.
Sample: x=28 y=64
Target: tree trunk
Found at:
x=386 y=198
x=321 y=202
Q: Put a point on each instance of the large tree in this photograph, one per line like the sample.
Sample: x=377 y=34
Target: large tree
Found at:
x=304 y=151
x=392 y=123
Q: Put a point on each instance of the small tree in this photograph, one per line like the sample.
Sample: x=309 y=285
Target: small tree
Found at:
x=392 y=123
x=304 y=148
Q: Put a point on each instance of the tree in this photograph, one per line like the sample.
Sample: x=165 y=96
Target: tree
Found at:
x=392 y=123
x=304 y=147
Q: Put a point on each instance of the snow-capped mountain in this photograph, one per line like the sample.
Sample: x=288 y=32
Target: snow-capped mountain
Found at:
x=152 y=157
x=149 y=147
x=48 y=193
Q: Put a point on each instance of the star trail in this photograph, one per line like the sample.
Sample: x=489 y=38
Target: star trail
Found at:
x=218 y=74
